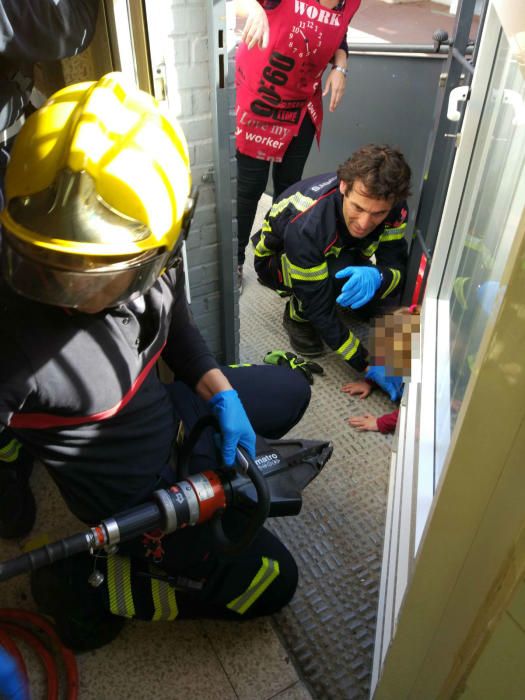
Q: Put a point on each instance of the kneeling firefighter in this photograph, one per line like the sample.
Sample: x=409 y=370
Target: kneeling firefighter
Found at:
x=98 y=203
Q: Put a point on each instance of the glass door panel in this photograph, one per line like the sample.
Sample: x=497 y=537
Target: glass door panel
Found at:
x=491 y=203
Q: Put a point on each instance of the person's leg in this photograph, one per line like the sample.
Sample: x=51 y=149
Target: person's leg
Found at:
x=66 y=592
x=89 y=597
x=275 y=401
x=304 y=337
x=252 y=176
x=290 y=170
x=274 y=398
x=191 y=579
x=17 y=503
x=259 y=581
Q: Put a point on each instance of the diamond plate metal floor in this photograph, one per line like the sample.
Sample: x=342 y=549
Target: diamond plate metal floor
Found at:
x=337 y=539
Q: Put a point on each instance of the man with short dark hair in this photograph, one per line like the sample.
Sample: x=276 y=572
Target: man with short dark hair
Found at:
x=325 y=230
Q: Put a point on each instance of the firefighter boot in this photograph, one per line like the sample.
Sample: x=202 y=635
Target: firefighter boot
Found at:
x=303 y=336
x=17 y=503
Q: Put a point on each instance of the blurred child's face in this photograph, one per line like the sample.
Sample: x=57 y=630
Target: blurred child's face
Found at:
x=394 y=342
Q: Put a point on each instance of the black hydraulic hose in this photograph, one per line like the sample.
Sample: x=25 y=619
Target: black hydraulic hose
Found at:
x=183 y=466
x=81 y=542
x=124 y=526
x=224 y=544
x=167 y=511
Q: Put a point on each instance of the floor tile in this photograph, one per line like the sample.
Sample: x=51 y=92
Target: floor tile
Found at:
x=253 y=658
x=165 y=661
x=295 y=692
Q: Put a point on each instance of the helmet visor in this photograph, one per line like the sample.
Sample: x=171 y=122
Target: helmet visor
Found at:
x=89 y=285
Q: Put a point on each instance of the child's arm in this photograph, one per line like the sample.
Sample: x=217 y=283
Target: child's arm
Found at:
x=383 y=424
x=361 y=388
x=363 y=423
x=388 y=422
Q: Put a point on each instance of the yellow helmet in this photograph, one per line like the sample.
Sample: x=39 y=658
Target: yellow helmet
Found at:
x=98 y=197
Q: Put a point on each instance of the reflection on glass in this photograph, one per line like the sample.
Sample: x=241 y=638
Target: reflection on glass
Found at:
x=492 y=202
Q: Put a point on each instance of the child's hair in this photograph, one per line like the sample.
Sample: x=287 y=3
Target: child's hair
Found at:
x=392 y=340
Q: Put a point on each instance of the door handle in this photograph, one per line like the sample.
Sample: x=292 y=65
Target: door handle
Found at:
x=457 y=95
x=518 y=105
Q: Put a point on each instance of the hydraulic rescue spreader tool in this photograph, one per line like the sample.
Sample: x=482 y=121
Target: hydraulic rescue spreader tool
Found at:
x=270 y=485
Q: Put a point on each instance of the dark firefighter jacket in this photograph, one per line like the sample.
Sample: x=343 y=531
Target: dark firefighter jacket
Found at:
x=37 y=30
x=305 y=227
x=82 y=393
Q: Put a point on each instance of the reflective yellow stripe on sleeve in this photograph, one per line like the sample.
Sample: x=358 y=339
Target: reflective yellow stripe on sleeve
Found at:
x=349 y=348
x=396 y=277
x=261 y=251
x=119 y=586
x=164 y=601
x=393 y=234
x=308 y=274
x=263 y=578
x=371 y=249
x=335 y=251
x=9 y=453
x=297 y=200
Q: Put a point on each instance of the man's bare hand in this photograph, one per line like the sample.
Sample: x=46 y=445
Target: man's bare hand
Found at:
x=359 y=388
x=363 y=423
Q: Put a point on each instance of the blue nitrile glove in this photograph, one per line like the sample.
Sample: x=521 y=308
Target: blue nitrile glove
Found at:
x=235 y=425
x=363 y=282
x=12 y=683
x=392 y=385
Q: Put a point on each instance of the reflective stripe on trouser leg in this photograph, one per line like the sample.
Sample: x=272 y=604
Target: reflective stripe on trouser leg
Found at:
x=263 y=578
x=119 y=586
x=295 y=310
x=10 y=451
x=180 y=434
x=120 y=592
x=164 y=600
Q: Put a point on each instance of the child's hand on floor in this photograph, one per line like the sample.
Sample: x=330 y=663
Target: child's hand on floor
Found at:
x=360 y=388
x=362 y=423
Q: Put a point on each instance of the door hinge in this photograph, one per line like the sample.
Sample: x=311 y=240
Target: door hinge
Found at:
x=160 y=90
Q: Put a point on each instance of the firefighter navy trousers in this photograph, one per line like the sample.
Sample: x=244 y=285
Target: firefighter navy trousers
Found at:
x=260 y=580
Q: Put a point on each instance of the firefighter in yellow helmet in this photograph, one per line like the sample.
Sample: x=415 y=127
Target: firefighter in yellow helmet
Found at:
x=98 y=202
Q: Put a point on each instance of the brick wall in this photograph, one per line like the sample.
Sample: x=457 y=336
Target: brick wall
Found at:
x=188 y=77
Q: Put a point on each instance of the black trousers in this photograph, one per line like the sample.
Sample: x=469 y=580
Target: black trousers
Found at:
x=275 y=399
x=252 y=177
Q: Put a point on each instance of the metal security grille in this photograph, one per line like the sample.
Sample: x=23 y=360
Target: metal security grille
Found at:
x=337 y=539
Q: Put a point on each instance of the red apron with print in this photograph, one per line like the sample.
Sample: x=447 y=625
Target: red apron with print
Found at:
x=277 y=85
